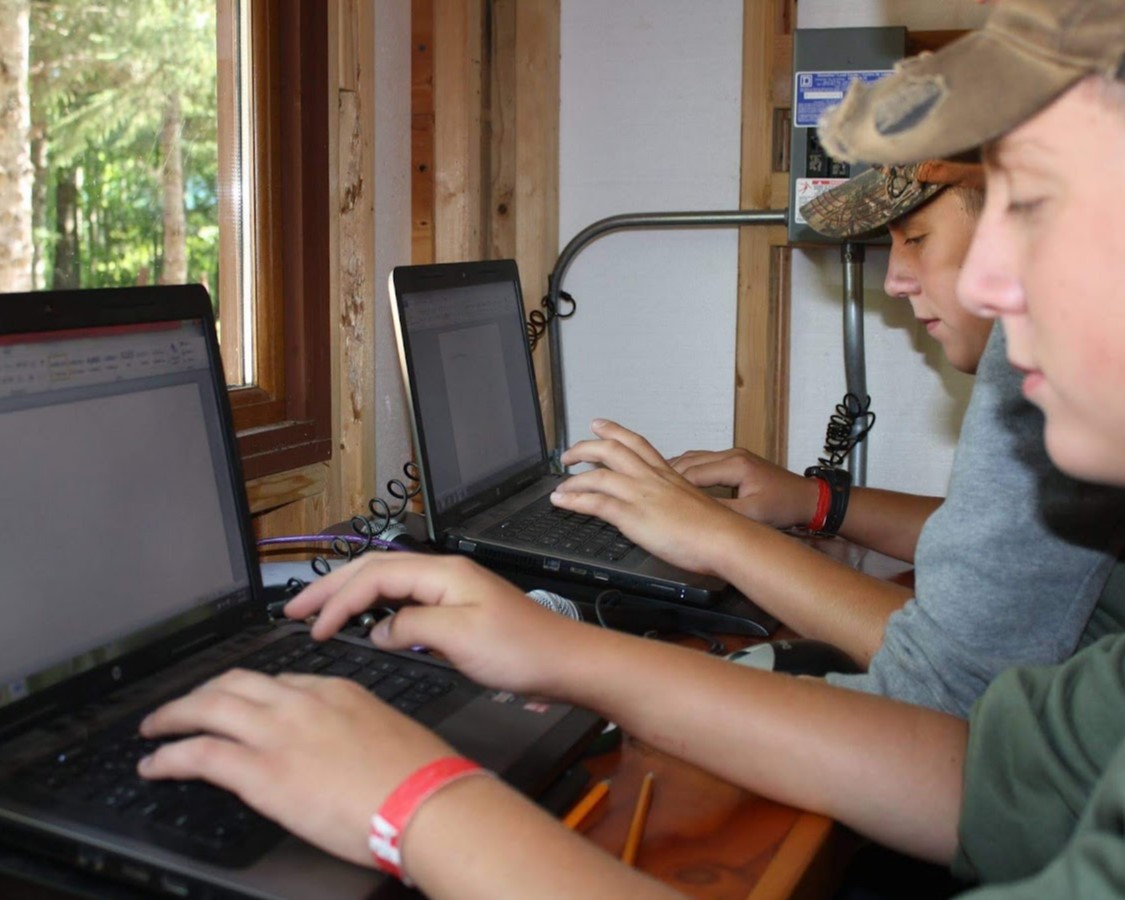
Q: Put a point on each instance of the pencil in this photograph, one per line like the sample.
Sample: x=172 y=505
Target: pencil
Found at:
x=584 y=807
x=640 y=818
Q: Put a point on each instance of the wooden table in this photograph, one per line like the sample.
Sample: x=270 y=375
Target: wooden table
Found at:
x=709 y=839
x=712 y=840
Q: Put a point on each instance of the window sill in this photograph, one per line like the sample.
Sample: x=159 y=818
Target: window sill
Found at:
x=279 y=448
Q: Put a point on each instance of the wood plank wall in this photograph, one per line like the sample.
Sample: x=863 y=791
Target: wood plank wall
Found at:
x=485 y=97
x=515 y=88
x=485 y=122
x=762 y=348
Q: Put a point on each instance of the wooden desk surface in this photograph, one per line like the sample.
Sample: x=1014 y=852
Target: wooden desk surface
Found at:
x=709 y=839
x=712 y=840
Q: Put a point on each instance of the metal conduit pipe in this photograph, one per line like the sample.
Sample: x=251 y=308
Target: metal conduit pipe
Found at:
x=855 y=366
x=720 y=219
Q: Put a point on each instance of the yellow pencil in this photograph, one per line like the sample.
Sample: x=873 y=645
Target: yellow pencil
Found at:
x=584 y=807
x=640 y=819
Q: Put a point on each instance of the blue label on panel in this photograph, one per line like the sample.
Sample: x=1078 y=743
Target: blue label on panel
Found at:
x=816 y=92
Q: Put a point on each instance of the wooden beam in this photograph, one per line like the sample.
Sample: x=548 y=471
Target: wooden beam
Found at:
x=458 y=210
x=422 y=131
x=523 y=120
x=761 y=349
x=353 y=194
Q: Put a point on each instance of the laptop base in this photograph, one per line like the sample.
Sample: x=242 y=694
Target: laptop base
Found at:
x=731 y=613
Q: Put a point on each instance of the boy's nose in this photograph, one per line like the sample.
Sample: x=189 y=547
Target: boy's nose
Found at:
x=899 y=283
x=986 y=287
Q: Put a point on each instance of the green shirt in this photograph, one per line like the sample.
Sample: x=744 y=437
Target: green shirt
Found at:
x=1043 y=810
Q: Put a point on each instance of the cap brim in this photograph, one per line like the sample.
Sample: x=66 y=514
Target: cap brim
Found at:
x=862 y=207
x=940 y=104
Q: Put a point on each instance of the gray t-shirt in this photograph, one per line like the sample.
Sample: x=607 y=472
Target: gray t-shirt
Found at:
x=1009 y=568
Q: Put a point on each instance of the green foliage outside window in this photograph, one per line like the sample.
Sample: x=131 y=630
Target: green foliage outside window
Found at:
x=119 y=89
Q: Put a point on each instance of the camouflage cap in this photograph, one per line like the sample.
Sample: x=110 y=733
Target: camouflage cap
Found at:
x=864 y=205
x=981 y=85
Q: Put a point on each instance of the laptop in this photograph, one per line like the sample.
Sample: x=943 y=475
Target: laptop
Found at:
x=129 y=576
x=478 y=433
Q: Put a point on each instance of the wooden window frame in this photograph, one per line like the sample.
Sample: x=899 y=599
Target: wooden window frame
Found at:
x=284 y=419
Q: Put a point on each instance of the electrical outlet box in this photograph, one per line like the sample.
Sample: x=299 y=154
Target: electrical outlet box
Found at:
x=825 y=62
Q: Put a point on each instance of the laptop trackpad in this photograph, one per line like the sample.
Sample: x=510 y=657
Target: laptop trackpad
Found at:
x=497 y=727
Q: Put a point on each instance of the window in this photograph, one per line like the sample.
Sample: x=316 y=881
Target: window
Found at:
x=283 y=418
x=183 y=140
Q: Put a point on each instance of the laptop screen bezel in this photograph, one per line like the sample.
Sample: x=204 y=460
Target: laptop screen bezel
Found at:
x=407 y=280
x=48 y=311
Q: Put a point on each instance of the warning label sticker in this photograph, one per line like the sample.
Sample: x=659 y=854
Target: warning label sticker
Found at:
x=816 y=92
x=806 y=189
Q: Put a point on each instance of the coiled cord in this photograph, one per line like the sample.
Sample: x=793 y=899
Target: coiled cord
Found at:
x=538 y=320
x=381 y=516
x=842 y=434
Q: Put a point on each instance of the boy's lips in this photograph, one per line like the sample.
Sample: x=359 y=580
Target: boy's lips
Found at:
x=1032 y=381
x=1032 y=377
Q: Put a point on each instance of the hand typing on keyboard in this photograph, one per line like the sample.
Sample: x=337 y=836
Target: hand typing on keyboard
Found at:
x=300 y=749
x=635 y=489
x=320 y=755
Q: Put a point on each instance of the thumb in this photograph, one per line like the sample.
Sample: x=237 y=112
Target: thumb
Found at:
x=422 y=628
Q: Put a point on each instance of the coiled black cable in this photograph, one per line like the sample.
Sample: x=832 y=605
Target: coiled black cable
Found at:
x=538 y=320
x=842 y=434
x=382 y=516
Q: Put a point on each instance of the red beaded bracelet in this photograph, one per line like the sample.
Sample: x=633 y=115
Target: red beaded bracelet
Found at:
x=388 y=824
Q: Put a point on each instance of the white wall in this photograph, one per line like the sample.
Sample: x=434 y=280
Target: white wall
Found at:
x=650 y=118
x=650 y=122
x=917 y=397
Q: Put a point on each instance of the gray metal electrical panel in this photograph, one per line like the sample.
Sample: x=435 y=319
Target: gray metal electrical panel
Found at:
x=825 y=62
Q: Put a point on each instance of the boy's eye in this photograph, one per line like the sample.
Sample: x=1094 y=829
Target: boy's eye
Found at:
x=1023 y=207
x=914 y=240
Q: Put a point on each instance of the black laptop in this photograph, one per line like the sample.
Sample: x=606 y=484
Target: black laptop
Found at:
x=129 y=575
x=478 y=433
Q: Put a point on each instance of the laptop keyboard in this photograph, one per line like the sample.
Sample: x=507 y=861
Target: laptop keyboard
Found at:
x=194 y=817
x=542 y=524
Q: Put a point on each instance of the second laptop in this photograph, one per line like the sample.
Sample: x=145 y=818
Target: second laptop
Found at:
x=478 y=433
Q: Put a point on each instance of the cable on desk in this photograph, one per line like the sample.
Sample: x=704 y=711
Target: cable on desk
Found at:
x=381 y=516
x=309 y=539
x=367 y=530
x=611 y=596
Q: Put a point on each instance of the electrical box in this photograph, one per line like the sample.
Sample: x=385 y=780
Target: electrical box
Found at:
x=825 y=62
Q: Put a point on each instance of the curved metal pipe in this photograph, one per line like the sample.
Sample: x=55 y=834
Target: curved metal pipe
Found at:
x=720 y=218
x=855 y=365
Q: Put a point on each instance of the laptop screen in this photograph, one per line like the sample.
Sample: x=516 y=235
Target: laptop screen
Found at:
x=120 y=521
x=474 y=391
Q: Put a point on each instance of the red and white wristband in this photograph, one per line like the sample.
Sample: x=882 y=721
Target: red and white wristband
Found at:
x=388 y=824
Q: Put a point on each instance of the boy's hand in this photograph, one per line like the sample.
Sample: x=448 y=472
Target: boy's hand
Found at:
x=319 y=755
x=635 y=489
x=765 y=492
x=485 y=626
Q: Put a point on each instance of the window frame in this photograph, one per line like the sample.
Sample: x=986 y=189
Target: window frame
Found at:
x=284 y=419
